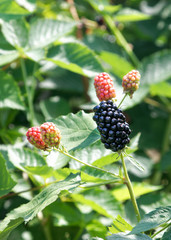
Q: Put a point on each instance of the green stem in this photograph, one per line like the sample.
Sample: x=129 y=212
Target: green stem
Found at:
x=130 y=189
x=121 y=40
x=155 y=234
x=86 y=164
x=122 y=99
x=29 y=98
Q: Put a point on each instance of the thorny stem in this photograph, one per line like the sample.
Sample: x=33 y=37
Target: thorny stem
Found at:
x=122 y=99
x=29 y=98
x=155 y=234
x=121 y=40
x=86 y=164
x=130 y=189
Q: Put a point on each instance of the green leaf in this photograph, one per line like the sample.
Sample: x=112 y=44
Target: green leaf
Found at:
x=101 y=201
x=78 y=130
x=96 y=228
x=6 y=183
x=153 y=219
x=9 y=9
x=136 y=163
x=167 y=234
x=15 y=32
x=45 y=31
x=90 y=154
x=122 y=194
x=8 y=56
x=156 y=68
x=35 y=54
x=9 y=93
x=118 y=65
x=120 y=225
x=122 y=236
x=64 y=214
x=28 y=211
x=30 y=5
x=103 y=161
x=60 y=104
x=75 y=57
x=29 y=161
x=161 y=89
x=128 y=14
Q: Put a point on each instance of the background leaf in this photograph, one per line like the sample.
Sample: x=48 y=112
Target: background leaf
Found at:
x=9 y=93
x=45 y=31
x=75 y=57
x=6 y=183
x=121 y=236
x=29 y=210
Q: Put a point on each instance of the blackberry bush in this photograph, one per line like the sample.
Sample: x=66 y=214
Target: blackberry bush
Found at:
x=112 y=125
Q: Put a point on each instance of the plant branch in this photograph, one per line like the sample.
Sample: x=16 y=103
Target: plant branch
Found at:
x=86 y=164
x=29 y=98
x=120 y=39
x=122 y=99
x=130 y=189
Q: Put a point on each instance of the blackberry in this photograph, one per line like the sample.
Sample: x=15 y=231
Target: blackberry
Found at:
x=113 y=128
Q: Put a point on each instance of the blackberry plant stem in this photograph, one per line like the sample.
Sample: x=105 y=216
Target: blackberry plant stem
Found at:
x=30 y=104
x=122 y=99
x=87 y=164
x=121 y=40
x=130 y=189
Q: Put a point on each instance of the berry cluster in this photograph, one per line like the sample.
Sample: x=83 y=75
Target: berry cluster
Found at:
x=104 y=87
x=131 y=81
x=45 y=136
x=113 y=128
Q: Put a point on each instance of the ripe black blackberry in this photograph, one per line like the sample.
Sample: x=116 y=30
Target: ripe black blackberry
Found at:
x=111 y=124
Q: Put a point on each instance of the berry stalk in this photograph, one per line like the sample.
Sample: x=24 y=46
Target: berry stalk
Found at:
x=86 y=164
x=130 y=189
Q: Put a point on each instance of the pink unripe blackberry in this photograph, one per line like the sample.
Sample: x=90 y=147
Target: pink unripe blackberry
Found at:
x=104 y=87
x=35 y=138
x=50 y=134
x=130 y=82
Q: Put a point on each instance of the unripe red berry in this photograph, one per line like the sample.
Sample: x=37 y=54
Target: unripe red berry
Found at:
x=50 y=134
x=104 y=87
x=35 y=138
x=130 y=82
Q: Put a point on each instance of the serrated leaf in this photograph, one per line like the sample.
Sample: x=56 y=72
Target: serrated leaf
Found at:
x=8 y=56
x=10 y=96
x=167 y=234
x=9 y=9
x=101 y=201
x=122 y=236
x=28 y=211
x=6 y=183
x=78 y=130
x=75 y=57
x=129 y=15
x=103 y=161
x=29 y=161
x=153 y=219
x=156 y=68
x=45 y=31
x=15 y=33
x=120 y=225
x=135 y=162
x=90 y=154
x=122 y=194
x=30 y=5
